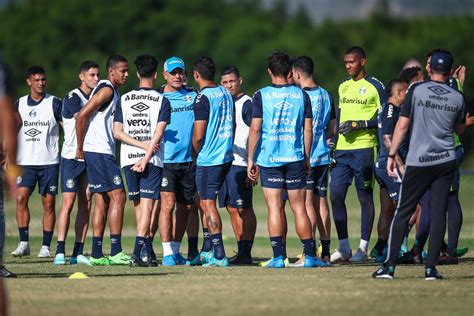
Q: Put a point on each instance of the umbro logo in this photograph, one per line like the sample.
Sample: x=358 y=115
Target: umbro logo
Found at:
x=140 y=107
x=439 y=90
x=283 y=105
x=32 y=132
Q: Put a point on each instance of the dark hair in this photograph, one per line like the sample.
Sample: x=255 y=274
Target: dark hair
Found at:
x=409 y=73
x=35 y=70
x=394 y=82
x=230 y=69
x=113 y=60
x=437 y=50
x=88 y=64
x=304 y=64
x=146 y=65
x=279 y=64
x=359 y=51
x=205 y=66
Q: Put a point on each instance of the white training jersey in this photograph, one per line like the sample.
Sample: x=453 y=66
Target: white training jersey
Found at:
x=99 y=136
x=241 y=134
x=39 y=133
x=68 y=150
x=140 y=110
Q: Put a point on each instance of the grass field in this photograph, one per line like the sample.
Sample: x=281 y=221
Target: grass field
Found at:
x=44 y=289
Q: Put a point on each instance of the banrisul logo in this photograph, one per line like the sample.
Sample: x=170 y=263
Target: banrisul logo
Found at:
x=283 y=105
x=140 y=107
x=439 y=90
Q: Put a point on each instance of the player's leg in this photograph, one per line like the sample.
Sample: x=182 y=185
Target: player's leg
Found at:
x=179 y=228
x=165 y=224
x=25 y=186
x=323 y=219
x=4 y=273
x=439 y=198
x=81 y=225
x=99 y=218
x=275 y=224
x=341 y=178
x=363 y=165
x=192 y=230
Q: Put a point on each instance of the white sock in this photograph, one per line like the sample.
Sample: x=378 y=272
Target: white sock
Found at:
x=167 y=250
x=344 y=246
x=363 y=244
x=175 y=245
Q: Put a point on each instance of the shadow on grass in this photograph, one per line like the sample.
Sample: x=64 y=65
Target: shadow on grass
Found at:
x=35 y=275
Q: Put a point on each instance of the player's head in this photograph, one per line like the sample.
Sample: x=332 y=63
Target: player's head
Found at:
x=231 y=80
x=204 y=69
x=174 y=73
x=397 y=90
x=439 y=61
x=117 y=69
x=146 y=66
x=89 y=74
x=279 y=64
x=36 y=79
x=412 y=74
x=302 y=68
x=354 y=61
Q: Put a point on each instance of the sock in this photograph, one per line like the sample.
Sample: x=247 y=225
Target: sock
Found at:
x=309 y=247
x=167 y=250
x=192 y=247
x=277 y=246
x=283 y=248
x=344 y=245
x=246 y=247
x=78 y=249
x=363 y=244
x=149 y=248
x=23 y=231
x=97 y=247
x=380 y=245
x=47 y=237
x=239 y=246
x=115 y=244
x=60 y=247
x=139 y=243
x=218 y=246
x=206 y=243
x=326 y=248
x=175 y=245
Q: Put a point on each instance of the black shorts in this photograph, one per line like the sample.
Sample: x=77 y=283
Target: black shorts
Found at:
x=179 y=178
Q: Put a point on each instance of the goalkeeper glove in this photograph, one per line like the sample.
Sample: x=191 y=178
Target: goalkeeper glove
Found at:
x=349 y=126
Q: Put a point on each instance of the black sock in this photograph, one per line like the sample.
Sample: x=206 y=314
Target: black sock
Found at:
x=78 y=249
x=192 y=247
x=277 y=246
x=309 y=247
x=23 y=231
x=60 y=247
x=218 y=246
x=206 y=243
x=246 y=248
x=97 y=248
x=47 y=237
x=115 y=244
x=139 y=243
x=326 y=248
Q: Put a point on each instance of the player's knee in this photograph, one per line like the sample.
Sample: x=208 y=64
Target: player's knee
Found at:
x=22 y=199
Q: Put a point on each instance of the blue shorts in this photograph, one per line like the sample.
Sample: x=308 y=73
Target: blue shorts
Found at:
x=236 y=191
x=317 y=180
x=71 y=171
x=46 y=176
x=386 y=181
x=209 y=180
x=291 y=176
x=103 y=173
x=358 y=164
x=144 y=184
x=457 y=175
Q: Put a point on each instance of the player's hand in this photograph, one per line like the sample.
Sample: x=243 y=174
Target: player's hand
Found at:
x=460 y=74
x=469 y=119
x=392 y=168
x=349 y=126
x=139 y=166
x=252 y=172
x=79 y=154
x=332 y=155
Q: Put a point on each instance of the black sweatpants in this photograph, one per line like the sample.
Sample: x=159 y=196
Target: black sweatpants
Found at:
x=416 y=181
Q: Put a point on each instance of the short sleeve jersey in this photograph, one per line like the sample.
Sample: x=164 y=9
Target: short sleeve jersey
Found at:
x=433 y=108
x=359 y=100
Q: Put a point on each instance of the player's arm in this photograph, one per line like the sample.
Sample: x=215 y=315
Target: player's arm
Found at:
x=461 y=120
x=103 y=96
x=331 y=128
x=57 y=110
x=308 y=131
x=120 y=135
x=254 y=136
x=201 y=116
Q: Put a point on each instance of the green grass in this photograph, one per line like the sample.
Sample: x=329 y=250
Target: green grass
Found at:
x=43 y=289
